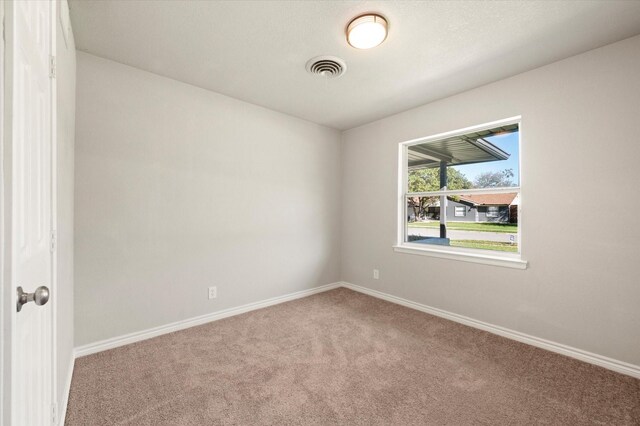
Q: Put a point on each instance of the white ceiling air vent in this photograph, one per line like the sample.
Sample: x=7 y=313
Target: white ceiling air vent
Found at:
x=326 y=66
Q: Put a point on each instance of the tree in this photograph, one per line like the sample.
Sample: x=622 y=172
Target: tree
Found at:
x=494 y=179
x=424 y=180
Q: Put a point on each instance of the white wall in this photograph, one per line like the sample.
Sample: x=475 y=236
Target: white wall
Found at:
x=66 y=106
x=179 y=189
x=580 y=154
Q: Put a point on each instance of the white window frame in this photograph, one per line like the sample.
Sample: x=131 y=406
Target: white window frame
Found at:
x=455 y=211
x=488 y=257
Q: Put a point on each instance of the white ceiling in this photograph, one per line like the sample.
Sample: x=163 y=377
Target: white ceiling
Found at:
x=256 y=50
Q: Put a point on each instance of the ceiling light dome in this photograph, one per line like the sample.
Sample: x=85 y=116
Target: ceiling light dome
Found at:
x=367 y=31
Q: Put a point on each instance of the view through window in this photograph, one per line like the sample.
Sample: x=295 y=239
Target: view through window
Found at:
x=463 y=191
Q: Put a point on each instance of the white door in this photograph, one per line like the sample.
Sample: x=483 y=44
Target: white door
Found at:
x=31 y=382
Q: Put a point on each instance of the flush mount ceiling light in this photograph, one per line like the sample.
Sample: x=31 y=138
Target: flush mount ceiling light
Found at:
x=367 y=31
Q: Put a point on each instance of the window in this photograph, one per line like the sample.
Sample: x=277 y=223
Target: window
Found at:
x=475 y=170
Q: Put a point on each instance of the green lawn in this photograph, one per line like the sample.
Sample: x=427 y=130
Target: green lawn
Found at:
x=485 y=245
x=509 y=228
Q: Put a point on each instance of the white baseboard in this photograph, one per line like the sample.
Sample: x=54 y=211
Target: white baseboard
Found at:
x=602 y=361
x=62 y=413
x=126 y=339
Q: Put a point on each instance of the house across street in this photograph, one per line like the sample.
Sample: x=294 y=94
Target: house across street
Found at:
x=500 y=208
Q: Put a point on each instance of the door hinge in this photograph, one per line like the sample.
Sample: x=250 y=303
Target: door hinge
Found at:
x=52 y=66
x=54 y=413
x=54 y=241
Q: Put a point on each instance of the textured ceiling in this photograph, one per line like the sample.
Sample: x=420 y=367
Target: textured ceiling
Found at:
x=256 y=50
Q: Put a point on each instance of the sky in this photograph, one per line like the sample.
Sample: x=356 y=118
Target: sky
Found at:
x=508 y=143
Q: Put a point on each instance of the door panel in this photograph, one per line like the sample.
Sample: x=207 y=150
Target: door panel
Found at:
x=32 y=261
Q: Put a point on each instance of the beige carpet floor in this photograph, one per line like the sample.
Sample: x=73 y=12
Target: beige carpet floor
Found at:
x=341 y=357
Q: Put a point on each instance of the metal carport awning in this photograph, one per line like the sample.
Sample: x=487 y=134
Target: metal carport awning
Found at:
x=469 y=148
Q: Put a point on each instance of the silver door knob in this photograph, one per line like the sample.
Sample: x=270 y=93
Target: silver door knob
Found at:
x=40 y=297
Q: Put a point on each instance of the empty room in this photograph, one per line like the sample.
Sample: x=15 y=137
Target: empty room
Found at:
x=319 y=212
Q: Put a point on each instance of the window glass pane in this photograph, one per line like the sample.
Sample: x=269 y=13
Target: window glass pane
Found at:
x=490 y=221
x=483 y=159
x=493 y=211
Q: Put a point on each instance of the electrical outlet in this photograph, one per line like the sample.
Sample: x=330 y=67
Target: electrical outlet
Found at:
x=213 y=292
x=376 y=274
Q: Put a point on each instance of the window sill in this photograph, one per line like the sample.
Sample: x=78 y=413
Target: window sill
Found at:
x=486 y=259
